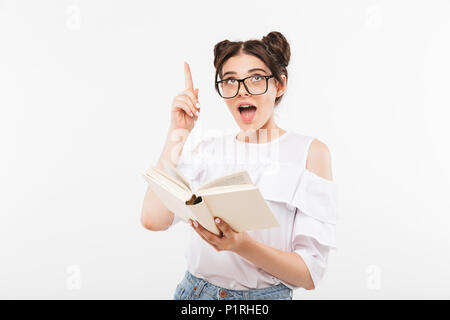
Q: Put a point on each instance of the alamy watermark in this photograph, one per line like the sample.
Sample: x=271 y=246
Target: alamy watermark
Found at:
x=231 y=149
x=373 y=281
x=73 y=280
x=73 y=20
x=373 y=17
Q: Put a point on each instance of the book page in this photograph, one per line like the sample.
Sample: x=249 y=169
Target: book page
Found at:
x=174 y=201
x=171 y=179
x=224 y=189
x=176 y=174
x=174 y=187
x=237 y=178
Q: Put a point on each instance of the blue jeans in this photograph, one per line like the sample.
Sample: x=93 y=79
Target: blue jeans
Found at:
x=194 y=288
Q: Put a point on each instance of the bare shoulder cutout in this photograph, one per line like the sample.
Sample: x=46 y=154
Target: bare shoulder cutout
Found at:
x=319 y=160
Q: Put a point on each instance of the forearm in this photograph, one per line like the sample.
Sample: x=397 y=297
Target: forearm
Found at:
x=173 y=146
x=154 y=214
x=286 y=266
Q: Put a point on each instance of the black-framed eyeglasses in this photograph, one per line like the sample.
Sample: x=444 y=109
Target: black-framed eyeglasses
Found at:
x=255 y=85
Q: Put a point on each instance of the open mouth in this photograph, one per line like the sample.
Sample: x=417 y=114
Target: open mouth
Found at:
x=247 y=112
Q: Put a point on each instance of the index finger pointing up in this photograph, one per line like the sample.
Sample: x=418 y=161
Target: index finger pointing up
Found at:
x=188 y=76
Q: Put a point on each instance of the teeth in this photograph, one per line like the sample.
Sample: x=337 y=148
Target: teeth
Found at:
x=245 y=106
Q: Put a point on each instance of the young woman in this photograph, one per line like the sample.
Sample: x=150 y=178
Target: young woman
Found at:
x=291 y=170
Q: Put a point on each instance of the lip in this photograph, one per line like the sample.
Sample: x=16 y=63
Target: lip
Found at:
x=245 y=102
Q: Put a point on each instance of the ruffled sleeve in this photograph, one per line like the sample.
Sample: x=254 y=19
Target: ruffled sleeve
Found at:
x=190 y=165
x=313 y=234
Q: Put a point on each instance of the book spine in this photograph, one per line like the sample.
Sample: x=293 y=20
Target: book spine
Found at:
x=203 y=215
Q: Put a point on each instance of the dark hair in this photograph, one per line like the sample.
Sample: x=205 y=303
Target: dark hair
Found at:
x=273 y=49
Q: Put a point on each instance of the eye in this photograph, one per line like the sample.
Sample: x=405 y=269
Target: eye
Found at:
x=229 y=81
x=256 y=78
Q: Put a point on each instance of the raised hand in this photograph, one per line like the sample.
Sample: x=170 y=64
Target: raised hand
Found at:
x=185 y=111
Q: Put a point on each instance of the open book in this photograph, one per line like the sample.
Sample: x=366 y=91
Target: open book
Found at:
x=232 y=197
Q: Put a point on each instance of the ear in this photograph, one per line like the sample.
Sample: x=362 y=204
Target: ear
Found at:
x=281 y=86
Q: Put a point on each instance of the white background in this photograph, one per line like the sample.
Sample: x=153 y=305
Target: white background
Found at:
x=85 y=95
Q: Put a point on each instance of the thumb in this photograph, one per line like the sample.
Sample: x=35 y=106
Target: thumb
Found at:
x=196 y=92
x=223 y=226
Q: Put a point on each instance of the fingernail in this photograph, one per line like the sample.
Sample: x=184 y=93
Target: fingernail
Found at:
x=195 y=223
x=198 y=105
x=217 y=220
x=192 y=115
x=197 y=113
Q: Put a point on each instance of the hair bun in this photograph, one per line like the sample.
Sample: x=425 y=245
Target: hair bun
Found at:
x=218 y=49
x=278 y=45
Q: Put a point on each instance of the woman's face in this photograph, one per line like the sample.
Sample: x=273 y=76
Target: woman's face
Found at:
x=239 y=67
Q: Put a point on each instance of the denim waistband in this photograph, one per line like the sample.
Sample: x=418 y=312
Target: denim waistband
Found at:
x=202 y=285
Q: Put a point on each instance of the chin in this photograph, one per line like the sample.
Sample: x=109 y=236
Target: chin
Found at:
x=249 y=127
x=246 y=126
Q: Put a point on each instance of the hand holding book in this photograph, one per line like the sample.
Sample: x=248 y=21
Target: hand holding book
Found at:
x=232 y=197
x=229 y=239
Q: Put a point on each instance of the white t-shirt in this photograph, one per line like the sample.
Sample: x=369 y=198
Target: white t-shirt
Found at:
x=303 y=203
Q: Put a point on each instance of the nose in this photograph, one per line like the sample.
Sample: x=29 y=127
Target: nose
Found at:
x=242 y=90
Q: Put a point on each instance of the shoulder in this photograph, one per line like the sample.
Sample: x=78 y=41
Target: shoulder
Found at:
x=319 y=159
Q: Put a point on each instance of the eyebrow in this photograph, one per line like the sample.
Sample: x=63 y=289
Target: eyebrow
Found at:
x=249 y=71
